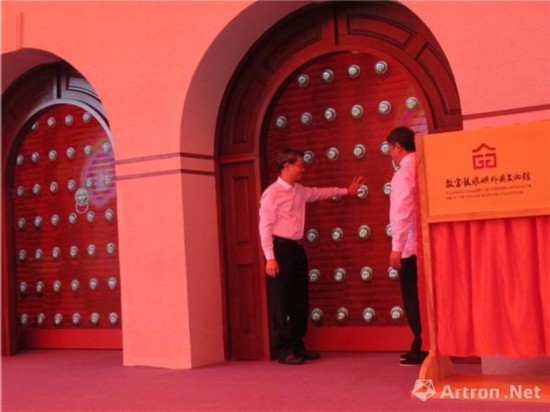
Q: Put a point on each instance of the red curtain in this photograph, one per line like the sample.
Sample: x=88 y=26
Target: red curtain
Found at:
x=492 y=286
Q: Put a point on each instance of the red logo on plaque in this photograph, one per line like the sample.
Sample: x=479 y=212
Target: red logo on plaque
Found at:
x=484 y=157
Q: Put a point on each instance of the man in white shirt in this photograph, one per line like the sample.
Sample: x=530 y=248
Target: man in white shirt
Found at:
x=403 y=200
x=282 y=219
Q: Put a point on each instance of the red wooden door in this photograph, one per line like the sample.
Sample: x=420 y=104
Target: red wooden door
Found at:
x=339 y=109
x=243 y=278
x=65 y=232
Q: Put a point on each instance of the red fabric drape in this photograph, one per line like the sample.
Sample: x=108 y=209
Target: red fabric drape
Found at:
x=492 y=286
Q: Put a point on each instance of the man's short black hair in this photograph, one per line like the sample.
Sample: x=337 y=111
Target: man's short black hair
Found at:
x=404 y=136
x=288 y=155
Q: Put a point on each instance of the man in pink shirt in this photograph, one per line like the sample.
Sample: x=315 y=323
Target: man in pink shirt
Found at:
x=282 y=218
x=403 y=199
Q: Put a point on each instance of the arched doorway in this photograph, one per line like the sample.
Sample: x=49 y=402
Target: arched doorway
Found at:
x=404 y=79
x=61 y=285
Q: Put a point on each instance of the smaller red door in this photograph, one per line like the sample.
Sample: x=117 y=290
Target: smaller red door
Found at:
x=247 y=337
x=65 y=232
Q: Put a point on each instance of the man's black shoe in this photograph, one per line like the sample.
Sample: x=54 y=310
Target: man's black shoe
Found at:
x=291 y=359
x=307 y=355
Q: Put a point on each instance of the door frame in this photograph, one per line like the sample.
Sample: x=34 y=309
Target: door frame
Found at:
x=382 y=28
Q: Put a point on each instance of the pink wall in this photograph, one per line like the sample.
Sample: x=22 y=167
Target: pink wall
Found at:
x=161 y=70
x=499 y=53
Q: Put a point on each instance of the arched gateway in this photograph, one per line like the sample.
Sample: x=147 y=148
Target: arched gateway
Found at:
x=331 y=79
x=60 y=276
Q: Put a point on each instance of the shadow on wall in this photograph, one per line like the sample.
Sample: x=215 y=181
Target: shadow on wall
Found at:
x=213 y=74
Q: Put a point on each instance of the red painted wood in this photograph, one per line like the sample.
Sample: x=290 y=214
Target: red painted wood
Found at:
x=98 y=166
x=247 y=336
x=354 y=338
x=352 y=253
x=72 y=339
x=391 y=28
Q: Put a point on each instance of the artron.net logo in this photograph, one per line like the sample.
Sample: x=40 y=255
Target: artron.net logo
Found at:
x=423 y=389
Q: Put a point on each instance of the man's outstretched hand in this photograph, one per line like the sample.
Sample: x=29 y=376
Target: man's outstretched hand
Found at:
x=354 y=185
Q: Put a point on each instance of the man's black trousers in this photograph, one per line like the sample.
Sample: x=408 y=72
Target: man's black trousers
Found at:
x=409 y=291
x=288 y=298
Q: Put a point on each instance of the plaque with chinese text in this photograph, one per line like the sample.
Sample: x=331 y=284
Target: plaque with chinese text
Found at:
x=487 y=173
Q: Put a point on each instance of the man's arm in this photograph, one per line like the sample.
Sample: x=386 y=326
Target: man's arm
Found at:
x=401 y=215
x=315 y=194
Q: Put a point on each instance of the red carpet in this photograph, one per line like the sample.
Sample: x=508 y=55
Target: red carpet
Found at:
x=67 y=380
